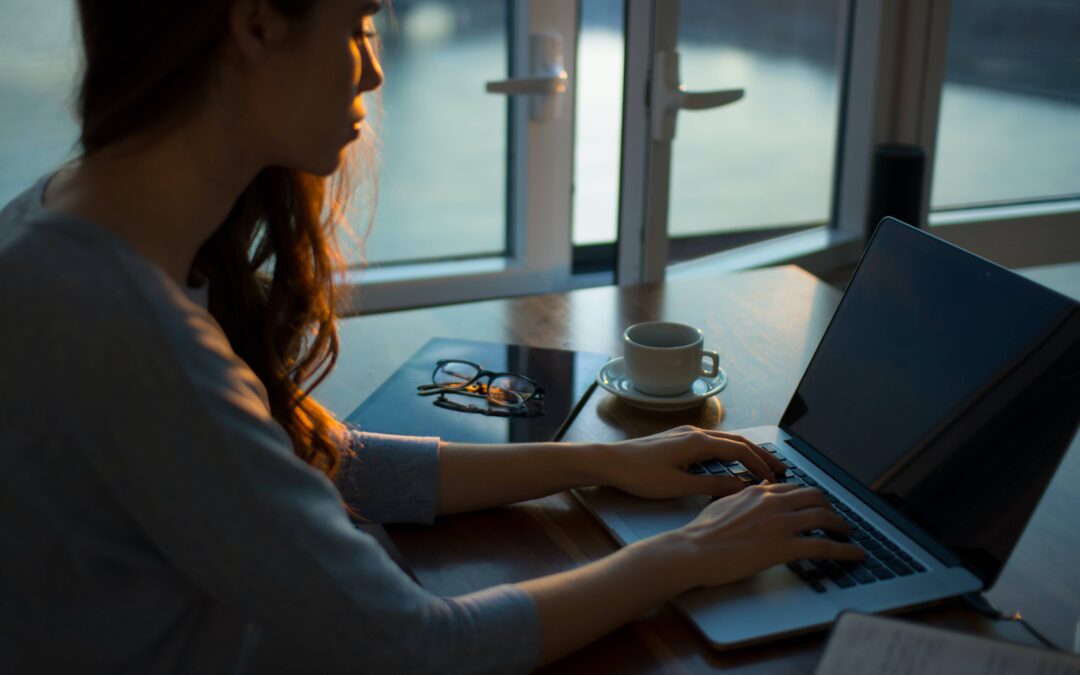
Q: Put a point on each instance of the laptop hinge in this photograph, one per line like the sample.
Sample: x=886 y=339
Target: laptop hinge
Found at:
x=882 y=507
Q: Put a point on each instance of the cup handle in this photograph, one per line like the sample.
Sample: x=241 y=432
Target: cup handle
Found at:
x=712 y=356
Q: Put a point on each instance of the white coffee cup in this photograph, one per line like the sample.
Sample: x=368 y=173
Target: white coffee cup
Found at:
x=664 y=358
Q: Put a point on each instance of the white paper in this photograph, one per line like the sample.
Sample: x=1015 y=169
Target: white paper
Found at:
x=861 y=643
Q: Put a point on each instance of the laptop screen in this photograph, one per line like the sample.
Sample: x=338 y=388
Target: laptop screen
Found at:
x=948 y=386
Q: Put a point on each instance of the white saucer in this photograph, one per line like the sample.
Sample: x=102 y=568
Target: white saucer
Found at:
x=613 y=379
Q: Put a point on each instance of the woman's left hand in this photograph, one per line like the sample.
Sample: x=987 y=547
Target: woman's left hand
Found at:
x=655 y=466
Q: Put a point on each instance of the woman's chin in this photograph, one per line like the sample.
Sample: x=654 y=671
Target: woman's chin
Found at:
x=327 y=165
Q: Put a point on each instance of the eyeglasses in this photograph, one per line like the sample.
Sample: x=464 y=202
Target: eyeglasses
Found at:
x=510 y=392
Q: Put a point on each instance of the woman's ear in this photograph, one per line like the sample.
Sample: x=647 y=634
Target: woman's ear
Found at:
x=256 y=27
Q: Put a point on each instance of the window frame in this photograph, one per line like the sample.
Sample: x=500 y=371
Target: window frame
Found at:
x=891 y=86
x=897 y=54
x=539 y=191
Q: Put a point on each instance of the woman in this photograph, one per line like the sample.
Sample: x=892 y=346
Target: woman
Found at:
x=171 y=496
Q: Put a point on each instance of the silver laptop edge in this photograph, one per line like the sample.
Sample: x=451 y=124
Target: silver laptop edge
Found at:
x=776 y=603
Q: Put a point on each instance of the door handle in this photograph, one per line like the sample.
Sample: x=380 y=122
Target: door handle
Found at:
x=547 y=81
x=669 y=96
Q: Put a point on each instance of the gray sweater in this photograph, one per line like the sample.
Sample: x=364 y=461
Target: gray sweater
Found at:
x=153 y=517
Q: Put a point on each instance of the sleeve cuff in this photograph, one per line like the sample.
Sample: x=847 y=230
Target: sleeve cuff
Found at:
x=391 y=479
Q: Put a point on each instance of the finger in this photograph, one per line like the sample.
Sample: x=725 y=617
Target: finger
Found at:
x=816 y=548
x=711 y=447
x=770 y=459
x=816 y=518
x=737 y=450
x=780 y=488
x=804 y=498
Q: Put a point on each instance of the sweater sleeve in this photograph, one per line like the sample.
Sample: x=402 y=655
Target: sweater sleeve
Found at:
x=210 y=478
x=390 y=479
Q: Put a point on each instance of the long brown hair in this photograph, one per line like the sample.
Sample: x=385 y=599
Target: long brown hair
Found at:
x=272 y=264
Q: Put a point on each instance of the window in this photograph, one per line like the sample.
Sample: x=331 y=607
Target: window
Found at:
x=766 y=162
x=37 y=76
x=600 y=59
x=488 y=195
x=1010 y=106
x=443 y=139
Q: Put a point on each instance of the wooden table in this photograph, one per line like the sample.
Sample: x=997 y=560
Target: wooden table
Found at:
x=765 y=324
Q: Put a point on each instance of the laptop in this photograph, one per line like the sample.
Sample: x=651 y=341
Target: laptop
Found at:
x=934 y=412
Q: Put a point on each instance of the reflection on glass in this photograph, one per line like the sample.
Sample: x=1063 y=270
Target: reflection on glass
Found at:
x=598 y=133
x=442 y=185
x=767 y=160
x=1010 y=108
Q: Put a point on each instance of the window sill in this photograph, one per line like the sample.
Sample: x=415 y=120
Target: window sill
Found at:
x=815 y=249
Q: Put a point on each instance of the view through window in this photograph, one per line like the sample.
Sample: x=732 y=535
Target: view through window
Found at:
x=39 y=55
x=763 y=165
x=1010 y=108
x=442 y=138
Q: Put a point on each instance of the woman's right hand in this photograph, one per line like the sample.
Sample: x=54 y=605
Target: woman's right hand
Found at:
x=760 y=527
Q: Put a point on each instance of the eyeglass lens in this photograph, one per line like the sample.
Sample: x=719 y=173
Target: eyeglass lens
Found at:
x=454 y=374
x=510 y=390
x=506 y=389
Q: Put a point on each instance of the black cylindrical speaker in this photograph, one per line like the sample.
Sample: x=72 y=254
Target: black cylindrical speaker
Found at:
x=896 y=185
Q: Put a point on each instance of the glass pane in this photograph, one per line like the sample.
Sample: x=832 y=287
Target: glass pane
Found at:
x=598 y=133
x=38 y=61
x=443 y=139
x=766 y=161
x=1010 y=107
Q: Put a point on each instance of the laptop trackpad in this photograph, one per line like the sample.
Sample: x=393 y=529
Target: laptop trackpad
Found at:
x=772 y=602
x=658 y=517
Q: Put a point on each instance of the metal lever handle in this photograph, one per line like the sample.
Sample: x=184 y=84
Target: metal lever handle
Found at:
x=669 y=97
x=539 y=86
x=704 y=100
x=547 y=81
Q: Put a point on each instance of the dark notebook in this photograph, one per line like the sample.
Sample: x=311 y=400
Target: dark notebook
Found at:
x=567 y=377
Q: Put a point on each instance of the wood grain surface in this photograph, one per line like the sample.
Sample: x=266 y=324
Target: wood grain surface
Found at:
x=765 y=324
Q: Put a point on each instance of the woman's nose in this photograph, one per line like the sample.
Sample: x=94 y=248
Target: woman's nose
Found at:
x=371 y=74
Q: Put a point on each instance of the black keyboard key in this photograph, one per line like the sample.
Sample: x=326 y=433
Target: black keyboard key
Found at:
x=787 y=462
x=871 y=562
x=817 y=586
x=856 y=517
x=899 y=567
x=886 y=556
x=770 y=447
x=905 y=556
x=842 y=507
x=799 y=472
x=862 y=575
x=860 y=536
x=844 y=581
x=917 y=566
x=836 y=574
x=806 y=570
x=697 y=469
x=882 y=573
x=891 y=546
x=873 y=546
x=714 y=466
x=809 y=481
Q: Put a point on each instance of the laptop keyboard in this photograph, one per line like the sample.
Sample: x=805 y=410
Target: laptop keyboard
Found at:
x=884 y=560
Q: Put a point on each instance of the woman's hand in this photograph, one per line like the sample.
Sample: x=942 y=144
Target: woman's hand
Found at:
x=655 y=466
x=755 y=529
